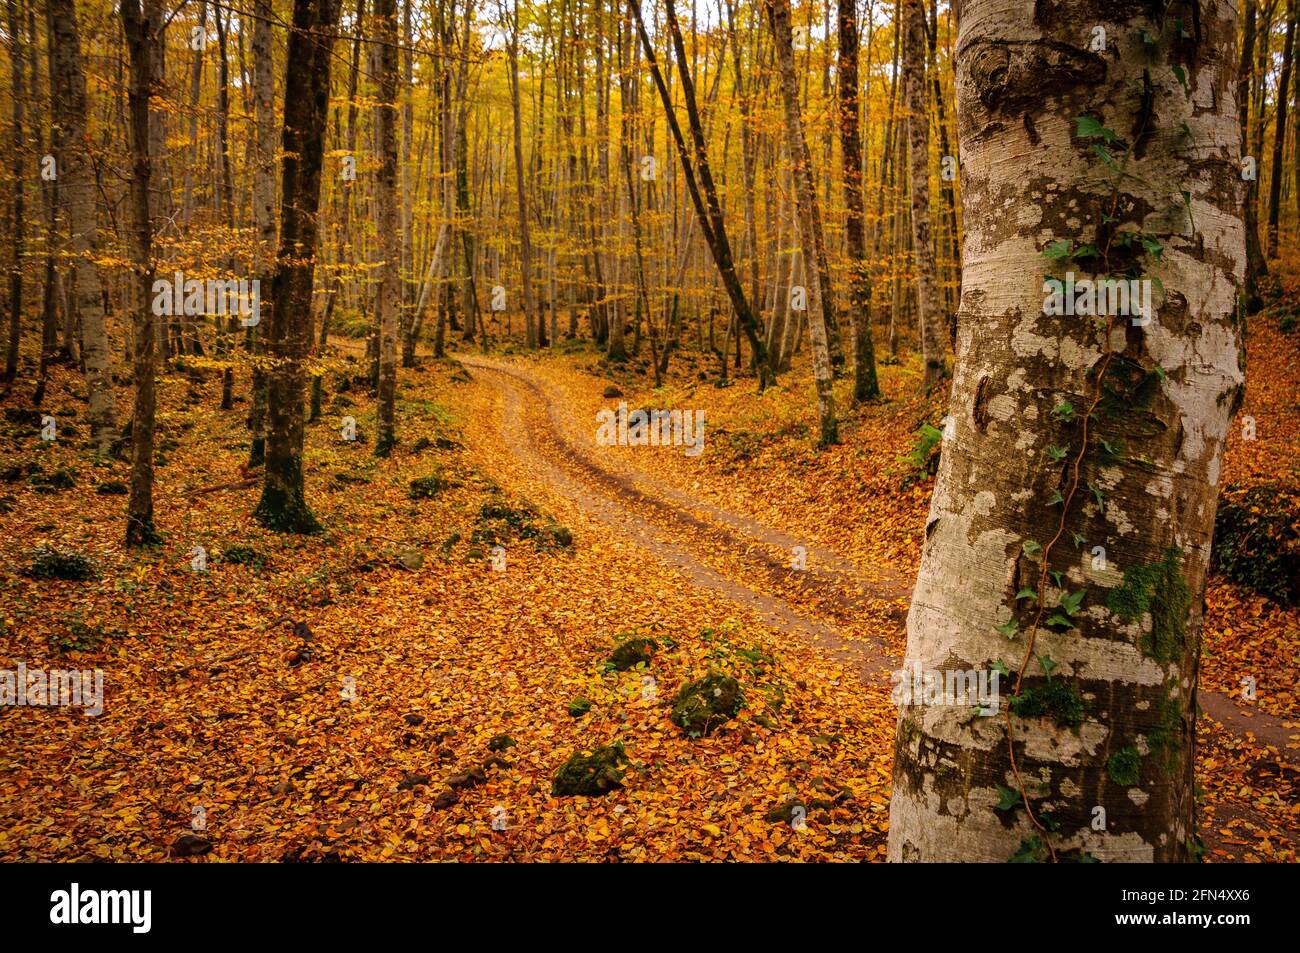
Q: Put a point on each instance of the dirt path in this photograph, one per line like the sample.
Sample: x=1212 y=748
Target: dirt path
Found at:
x=836 y=583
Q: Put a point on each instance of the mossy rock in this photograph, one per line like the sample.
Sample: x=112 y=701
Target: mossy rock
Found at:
x=516 y=517
x=53 y=482
x=425 y=487
x=579 y=707
x=243 y=556
x=49 y=562
x=1257 y=540
x=591 y=774
x=112 y=488
x=556 y=536
x=706 y=703
x=632 y=653
x=501 y=743
x=785 y=813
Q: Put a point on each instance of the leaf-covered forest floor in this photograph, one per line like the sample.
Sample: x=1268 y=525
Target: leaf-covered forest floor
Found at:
x=382 y=692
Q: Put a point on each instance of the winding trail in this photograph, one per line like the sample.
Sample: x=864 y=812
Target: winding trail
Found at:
x=677 y=526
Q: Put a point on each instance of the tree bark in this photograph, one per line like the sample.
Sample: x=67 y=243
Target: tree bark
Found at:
x=703 y=194
x=1256 y=266
x=1069 y=534
x=17 y=147
x=75 y=170
x=1279 y=131
x=928 y=298
x=142 y=29
x=805 y=195
x=390 y=290
x=865 y=383
x=283 y=505
x=263 y=211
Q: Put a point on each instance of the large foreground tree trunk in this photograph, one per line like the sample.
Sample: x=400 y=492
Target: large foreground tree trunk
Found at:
x=1069 y=534
x=283 y=505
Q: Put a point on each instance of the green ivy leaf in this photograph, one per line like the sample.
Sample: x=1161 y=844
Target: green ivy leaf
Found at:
x=1030 y=547
x=1026 y=593
x=1056 y=498
x=1088 y=127
x=1056 y=453
x=1070 y=602
x=1181 y=74
x=1057 y=250
x=1047 y=664
x=1009 y=628
x=1007 y=799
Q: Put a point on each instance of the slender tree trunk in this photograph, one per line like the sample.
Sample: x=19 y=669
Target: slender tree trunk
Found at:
x=18 y=169
x=703 y=194
x=142 y=29
x=1256 y=265
x=525 y=244
x=77 y=175
x=283 y=505
x=928 y=299
x=865 y=384
x=1069 y=535
x=390 y=290
x=225 y=323
x=805 y=194
x=1279 y=131
x=263 y=212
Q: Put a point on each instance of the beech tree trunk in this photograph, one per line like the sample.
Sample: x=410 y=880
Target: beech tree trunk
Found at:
x=263 y=211
x=1069 y=535
x=390 y=236
x=525 y=243
x=283 y=505
x=17 y=148
x=704 y=195
x=79 y=195
x=865 y=384
x=1255 y=263
x=805 y=195
x=928 y=298
x=1279 y=130
x=142 y=31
